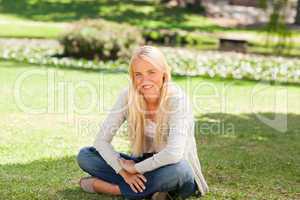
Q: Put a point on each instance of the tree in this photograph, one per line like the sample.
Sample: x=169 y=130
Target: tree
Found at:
x=186 y=3
x=297 y=18
x=279 y=35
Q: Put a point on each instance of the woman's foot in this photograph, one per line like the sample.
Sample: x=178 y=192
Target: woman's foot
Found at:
x=86 y=183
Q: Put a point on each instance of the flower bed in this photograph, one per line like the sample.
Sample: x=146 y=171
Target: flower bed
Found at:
x=184 y=62
x=233 y=65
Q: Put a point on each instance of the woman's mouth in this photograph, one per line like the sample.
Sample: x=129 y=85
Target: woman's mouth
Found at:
x=147 y=86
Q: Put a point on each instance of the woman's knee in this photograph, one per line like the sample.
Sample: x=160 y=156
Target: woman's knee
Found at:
x=85 y=157
x=184 y=172
x=185 y=178
x=82 y=156
x=171 y=176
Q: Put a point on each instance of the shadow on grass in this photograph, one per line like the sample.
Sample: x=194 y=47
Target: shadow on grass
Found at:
x=254 y=158
x=253 y=161
x=140 y=13
x=248 y=124
x=45 y=179
x=246 y=142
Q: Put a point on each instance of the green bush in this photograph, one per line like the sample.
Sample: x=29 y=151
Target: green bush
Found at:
x=99 y=39
x=177 y=37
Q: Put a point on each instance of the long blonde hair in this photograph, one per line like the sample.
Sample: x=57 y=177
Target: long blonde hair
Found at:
x=137 y=105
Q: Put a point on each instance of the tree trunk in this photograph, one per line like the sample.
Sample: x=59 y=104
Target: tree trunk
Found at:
x=297 y=18
x=189 y=4
x=194 y=4
x=198 y=2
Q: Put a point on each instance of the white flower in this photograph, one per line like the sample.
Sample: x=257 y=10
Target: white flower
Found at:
x=211 y=73
x=237 y=74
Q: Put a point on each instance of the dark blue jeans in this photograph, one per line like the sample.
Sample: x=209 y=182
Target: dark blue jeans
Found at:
x=177 y=179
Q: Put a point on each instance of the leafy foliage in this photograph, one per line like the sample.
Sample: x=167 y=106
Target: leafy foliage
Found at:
x=99 y=39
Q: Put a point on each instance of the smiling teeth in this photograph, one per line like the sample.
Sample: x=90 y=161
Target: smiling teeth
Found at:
x=147 y=86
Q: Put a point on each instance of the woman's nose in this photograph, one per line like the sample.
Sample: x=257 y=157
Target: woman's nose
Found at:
x=145 y=78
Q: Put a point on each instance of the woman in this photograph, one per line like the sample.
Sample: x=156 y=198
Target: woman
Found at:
x=164 y=160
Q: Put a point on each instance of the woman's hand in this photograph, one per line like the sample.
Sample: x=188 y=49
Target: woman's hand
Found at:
x=127 y=161
x=135 y=181
x=128 y=165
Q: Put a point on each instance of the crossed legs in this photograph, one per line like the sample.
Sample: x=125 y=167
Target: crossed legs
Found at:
x=173 y=177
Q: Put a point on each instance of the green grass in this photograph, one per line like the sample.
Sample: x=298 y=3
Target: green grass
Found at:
x=143 y=14
x=140 y=14
x=50 y=18
x=242 y=158
x=13 y=26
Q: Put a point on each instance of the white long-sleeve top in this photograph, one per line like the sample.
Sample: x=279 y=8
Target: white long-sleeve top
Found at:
x=179 y=144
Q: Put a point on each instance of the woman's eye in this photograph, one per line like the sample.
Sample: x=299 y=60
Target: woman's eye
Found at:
x=138 y=75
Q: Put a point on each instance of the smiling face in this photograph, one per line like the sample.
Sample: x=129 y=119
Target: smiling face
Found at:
x=147 y=78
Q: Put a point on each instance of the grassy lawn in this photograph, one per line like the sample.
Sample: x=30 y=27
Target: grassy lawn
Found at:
x=13 y=26
x=50 y=15
x=50 y=18
x=139 y=13
x=242 y=158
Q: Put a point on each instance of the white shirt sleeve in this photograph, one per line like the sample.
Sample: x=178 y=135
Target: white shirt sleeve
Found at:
x=108 y=129
x=180 y=123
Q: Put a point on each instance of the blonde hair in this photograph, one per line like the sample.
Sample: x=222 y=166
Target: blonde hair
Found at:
x=136 y=115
